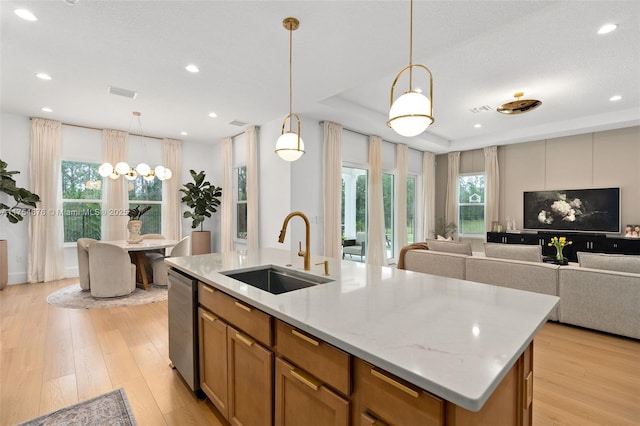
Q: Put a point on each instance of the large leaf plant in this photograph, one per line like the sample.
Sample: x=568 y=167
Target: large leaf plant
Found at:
x=201 y=197
x=23 y=198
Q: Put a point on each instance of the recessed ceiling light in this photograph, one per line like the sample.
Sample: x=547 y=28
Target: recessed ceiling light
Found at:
x=46 y=109
x=615 y=98
x=477 y=125
x=43 y=76
x=605 y=29
x=184 y=133
x=25 y=14
x=192 y=68
x=213 y=115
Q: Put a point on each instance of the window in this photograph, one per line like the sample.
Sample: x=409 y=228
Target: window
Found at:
x=240 y=178
x=471 y=193
x=354 y=204
x=411 y=209
x=81 y=200
x=388 y=200
x=145 y=193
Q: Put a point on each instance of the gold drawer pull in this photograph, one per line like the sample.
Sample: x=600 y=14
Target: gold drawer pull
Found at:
x=528 y=390
x=394 y=383
x=243 y=307
x=207 y=288
x=305 y=379
x=305 y=338
x=209 y=316
x=244 y=339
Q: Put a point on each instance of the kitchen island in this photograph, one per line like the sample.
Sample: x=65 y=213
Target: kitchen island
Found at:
x=455 y=342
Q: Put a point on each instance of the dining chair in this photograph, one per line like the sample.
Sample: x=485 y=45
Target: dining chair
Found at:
x=82 y=246
x=154 y=254
x=111 y=271
x=161 y=269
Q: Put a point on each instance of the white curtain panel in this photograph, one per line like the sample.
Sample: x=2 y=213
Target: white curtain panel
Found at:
x=451 y=203
x=375 y=247
x=46 y=252
x=114 y=150
x=492 y=196
x=429 y=194
x=171 y=195
x=226 y=201
x=332 y=189
x=253 y=192
x=401 y=195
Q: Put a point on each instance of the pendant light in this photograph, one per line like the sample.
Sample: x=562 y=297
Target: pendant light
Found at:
x=143 y=169
x=412 y=112
x=289 y=145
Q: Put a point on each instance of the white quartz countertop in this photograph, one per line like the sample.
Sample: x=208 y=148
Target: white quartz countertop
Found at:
x=456 y=339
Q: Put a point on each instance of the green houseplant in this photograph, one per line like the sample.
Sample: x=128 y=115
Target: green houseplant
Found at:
x=23 y=200
x=203 y=198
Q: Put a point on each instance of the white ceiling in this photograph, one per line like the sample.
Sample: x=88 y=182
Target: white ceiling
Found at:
x=345 y=57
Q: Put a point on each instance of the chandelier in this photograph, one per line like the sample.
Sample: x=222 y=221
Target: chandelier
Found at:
x=289 y=145
x=412 y=112
x=130 y=173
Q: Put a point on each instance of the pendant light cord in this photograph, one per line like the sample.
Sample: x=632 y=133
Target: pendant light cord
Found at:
x=290 y=74
x=411 y=46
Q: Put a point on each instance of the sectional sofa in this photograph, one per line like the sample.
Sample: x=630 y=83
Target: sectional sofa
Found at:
x=601 y=291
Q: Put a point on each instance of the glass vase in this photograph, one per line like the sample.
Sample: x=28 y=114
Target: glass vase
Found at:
x=559 y=255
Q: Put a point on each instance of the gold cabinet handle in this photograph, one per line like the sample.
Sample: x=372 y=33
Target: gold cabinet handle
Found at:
x=305 y=338
x=244 y=339
x=243 y=307
x=209 y=316
x=306 y=379
x=207 y=288
x=394 y=383
x=528 y=390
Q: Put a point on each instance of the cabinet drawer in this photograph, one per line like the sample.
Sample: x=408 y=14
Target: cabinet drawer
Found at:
x=393 y=401
x=252 y=321
x=302 y=399
x=322 y=360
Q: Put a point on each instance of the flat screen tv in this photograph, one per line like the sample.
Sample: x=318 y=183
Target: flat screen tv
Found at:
x=578 y=210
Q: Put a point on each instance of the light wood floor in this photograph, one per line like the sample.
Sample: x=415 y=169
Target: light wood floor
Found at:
x=52 y=357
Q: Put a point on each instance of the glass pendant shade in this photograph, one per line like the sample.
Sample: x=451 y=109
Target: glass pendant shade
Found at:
x=409 y=114
x=159 y=171
x=287 y=146
x=105 y=169
x=167 y=173
x=143 y=169
x=122 y=168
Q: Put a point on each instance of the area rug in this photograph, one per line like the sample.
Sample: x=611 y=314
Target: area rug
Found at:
x=74 y=298
x=110 y=409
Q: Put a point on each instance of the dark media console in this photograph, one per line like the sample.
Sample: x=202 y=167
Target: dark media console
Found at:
x=591 y=242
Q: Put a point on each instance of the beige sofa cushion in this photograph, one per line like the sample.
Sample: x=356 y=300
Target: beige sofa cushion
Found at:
x=610 y=262
x=436 y=263
x=450 y=247
x=524 y=252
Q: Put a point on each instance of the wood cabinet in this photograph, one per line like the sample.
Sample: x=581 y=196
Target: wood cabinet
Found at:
x=302 y=399
x=381 y=398
x=236 y=372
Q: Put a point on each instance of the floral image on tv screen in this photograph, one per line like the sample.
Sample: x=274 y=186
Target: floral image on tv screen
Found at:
x=583 y=210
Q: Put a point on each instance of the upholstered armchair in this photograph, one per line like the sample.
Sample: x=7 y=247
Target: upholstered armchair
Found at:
x=82 y=246
x=154 y=254
x=111 y=271
x=355 y=247
x=161 y=269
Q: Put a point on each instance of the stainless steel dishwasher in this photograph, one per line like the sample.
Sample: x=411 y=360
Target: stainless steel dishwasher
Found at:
x=183 y=344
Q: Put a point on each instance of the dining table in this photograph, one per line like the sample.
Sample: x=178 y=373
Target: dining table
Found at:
x=137 y=252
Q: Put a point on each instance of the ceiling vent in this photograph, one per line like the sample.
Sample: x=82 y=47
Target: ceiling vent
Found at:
x=519 y=106
x=238 y=123
x=480 y=109
x=123 y=92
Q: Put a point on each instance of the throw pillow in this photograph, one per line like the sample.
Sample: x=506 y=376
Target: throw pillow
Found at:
x=450 y=247
x=441 y=238
x=527 y=253
x=609 y=262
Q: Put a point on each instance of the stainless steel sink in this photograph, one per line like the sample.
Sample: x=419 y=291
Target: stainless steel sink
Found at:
x=275 y=279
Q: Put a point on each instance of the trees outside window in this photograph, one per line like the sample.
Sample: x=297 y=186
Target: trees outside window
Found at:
x=145 y=193
x=81 y=200
x=471 y=199
x=240 y=178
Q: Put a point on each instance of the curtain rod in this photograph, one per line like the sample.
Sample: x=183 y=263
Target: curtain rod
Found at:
x=243 y=132
x=95 y=128
x=364 y=134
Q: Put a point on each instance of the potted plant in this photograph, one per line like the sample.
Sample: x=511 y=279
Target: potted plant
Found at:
x=203 y=199
x=23 y=200
x=135 y=224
